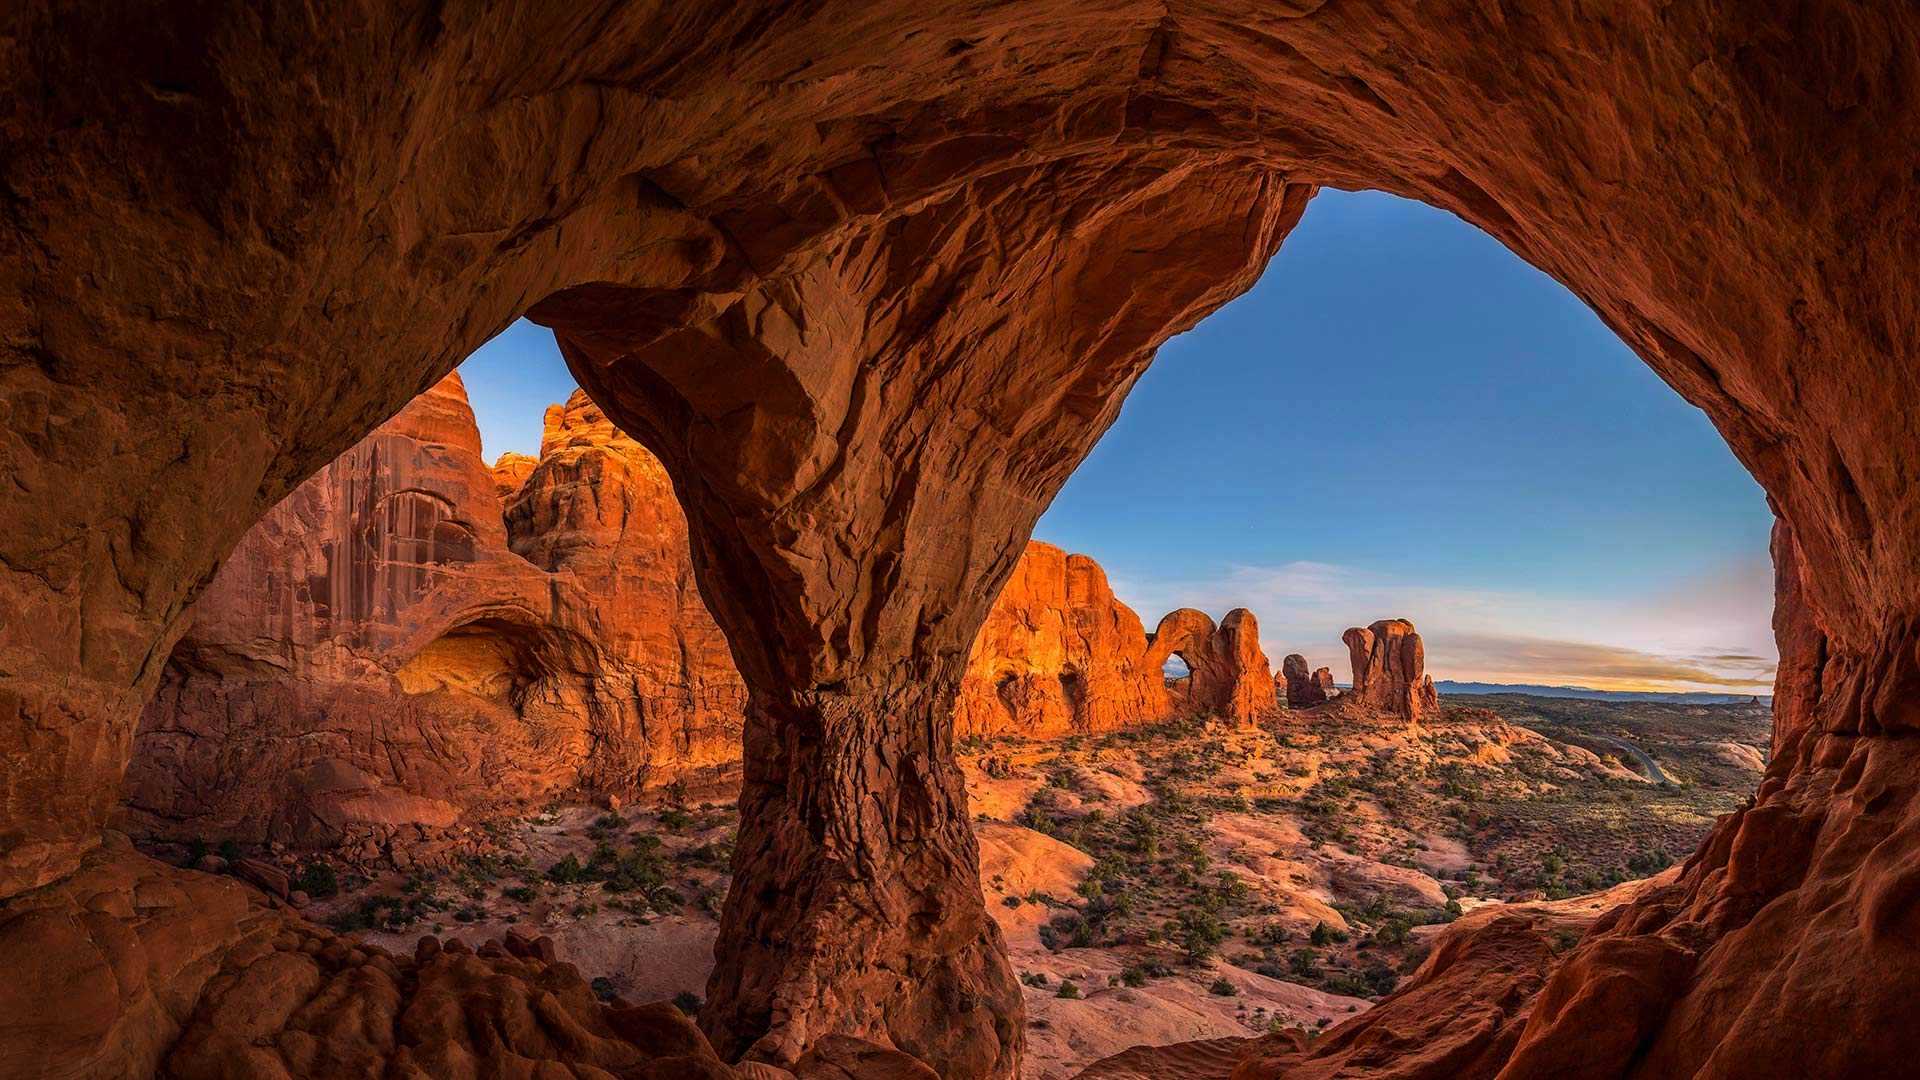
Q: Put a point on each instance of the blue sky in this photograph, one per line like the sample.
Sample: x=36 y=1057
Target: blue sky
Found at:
x=1400 y=419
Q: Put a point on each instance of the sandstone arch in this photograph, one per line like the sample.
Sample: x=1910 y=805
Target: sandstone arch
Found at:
x=1227 y=673
x=870 y=281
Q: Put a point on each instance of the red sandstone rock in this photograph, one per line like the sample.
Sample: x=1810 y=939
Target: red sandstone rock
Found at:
x=1389 y=669
x=493 y=703
x=510 y=472
x=264 y=876
x=564 y=647
x=1059 y=654
x=871 y=279
x=1303 y=688
x=1227 y=675
x=94 y=986
x=1802 y=643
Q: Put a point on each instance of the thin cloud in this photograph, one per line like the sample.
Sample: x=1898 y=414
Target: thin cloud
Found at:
x=1601 y=666
x=1708 y=633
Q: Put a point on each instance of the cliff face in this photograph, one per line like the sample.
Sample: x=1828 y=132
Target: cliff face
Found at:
x=384 y=649
x=412 y=638
x=1059 y=654
x=599 y=515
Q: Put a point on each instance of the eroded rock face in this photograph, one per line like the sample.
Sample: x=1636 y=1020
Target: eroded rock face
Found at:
x=1227 y=674
x=1303 y=688
x=510 y=471
x=871 y=280
x=95 y=983
x=1059 y=654
x=571 y=652
x=1389 y=668
x=384 y=650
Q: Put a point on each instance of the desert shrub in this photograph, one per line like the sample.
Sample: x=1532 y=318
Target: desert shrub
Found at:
x=1199 y=933
x=1393 y=932
x=388 y=912
x=567 y=871
x=1304 y=963
x=1134 y=976
x=318 y=880
x=673 y=819
x=687 y=1002
x=1067 y=989
x=1223 y=988
x=1650 y=862
x=524 y=894
x=1381 y=980
x=1035 y=979
x=717 y=855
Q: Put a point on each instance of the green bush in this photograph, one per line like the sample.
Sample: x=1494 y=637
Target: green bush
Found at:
x=567 y=871
x=1223 y=988
x=1304 y=963
x=1068 y=989
x=318 y=880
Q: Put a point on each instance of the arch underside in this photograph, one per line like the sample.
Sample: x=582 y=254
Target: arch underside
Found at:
x=871 y=282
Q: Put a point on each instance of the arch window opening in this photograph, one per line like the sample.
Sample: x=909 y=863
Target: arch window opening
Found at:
x=1356 y=439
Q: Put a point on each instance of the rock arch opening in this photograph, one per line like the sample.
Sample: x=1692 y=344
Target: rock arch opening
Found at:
x=817 y=335
x=487 y=658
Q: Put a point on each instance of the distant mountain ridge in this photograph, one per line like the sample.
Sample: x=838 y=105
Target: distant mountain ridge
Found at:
x=1448 y=686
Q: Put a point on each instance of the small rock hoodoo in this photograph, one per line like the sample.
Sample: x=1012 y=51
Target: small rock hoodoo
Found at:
x=1301 y=687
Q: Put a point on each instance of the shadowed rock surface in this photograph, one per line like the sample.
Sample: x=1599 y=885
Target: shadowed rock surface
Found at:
x=870 y=281
x=384 y=650
x=1301 y=687
x=382 y=656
